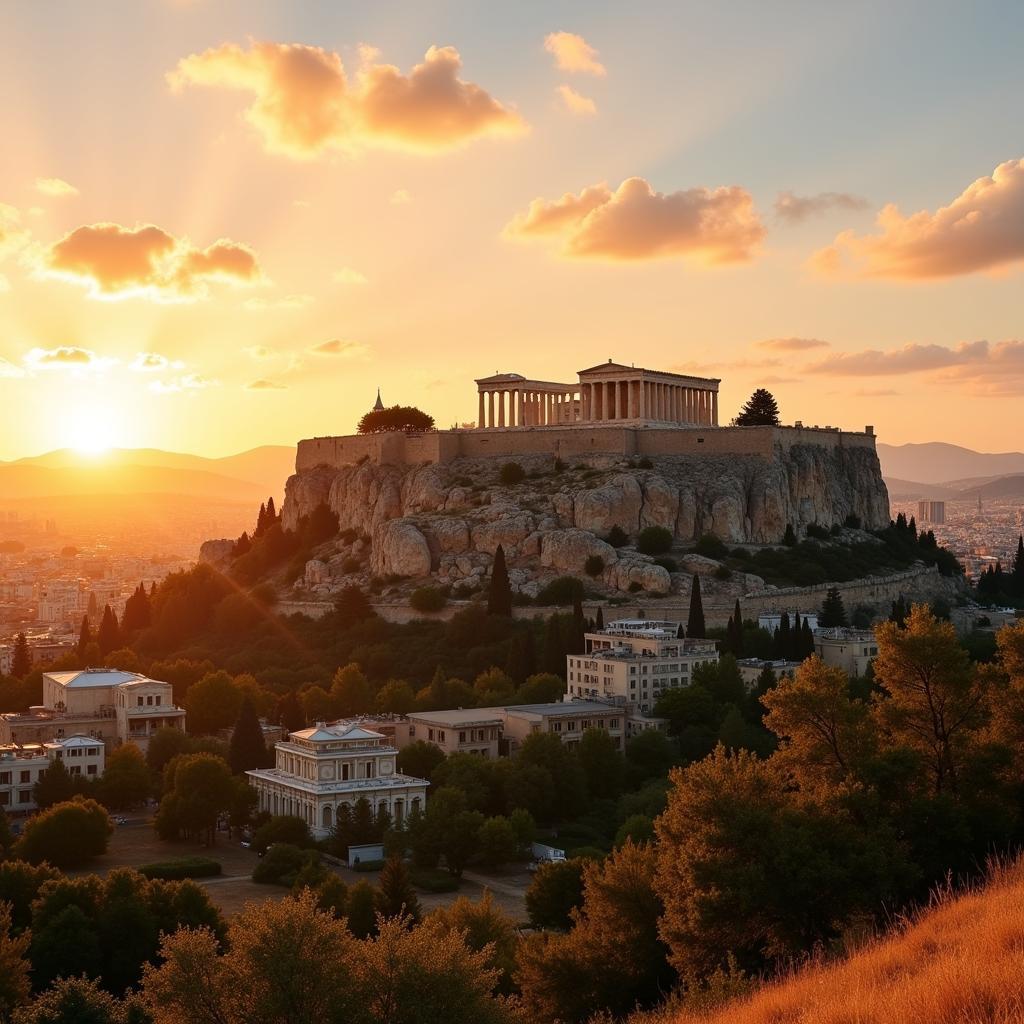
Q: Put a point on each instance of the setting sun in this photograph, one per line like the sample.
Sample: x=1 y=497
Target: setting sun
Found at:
x=92 y=431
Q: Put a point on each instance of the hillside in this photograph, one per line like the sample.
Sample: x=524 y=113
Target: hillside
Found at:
x=939 y=463
x=1003 y=487
x=961 y=962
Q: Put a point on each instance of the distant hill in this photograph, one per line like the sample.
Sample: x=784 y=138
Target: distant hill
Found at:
x=1002 y=487
x=936 y=462
x=249 y=476
x=960 y=961
x=905 y=490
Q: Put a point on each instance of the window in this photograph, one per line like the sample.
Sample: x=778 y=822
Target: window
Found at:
x=441 y=735
x=412 y=731
x=90 y=770
x=25 y=777
x=139 y=699
x=430 y=734
x=462 y=737
x=76 y=769
x=157 y=700
x=5 y=799
x=5 y=778
x=24 y=796
x=149 y=700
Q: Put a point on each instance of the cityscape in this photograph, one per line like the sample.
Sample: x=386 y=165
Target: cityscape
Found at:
x=511 y=513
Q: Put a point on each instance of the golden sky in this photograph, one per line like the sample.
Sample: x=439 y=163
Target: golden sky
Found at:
x=226 y=224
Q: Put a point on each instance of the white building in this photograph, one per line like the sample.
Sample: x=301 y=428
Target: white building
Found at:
x=850 y=649
x=115 y=706
x=320 y=769
x=632 y=661
x=22 y=764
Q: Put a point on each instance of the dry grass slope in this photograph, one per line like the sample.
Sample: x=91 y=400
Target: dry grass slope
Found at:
x=961 y=962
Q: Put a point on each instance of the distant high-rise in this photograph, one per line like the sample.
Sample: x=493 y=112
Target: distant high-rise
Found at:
x=933 y=512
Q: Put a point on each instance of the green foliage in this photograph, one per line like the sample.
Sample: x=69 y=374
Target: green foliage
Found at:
x=832 y=613
x=182 y=867
x=428 y=599
x=127 y=780
x=695 y=627
x=66 y=835
x=654 y=540
x=602 y=763
x=668 y=564
x=711 y=546
x=395 y=418
x=511 y=473
x=617 y=537
x=497 y=842
x=433 y=880
x=77 y=1001
x=248 y=749
x=419 y=759
x=499 y=594
x=281 y=864
x=396 y=897
x=637 y=828
x=594 y=565
x=54 y=786
x=563 y=590
x=556 y=890
x=282 y=828
x=198 y=788
x=760 y=409
x=212 y=704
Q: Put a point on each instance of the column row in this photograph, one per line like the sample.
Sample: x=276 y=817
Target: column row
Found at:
x=649 y=400
x=525 y=408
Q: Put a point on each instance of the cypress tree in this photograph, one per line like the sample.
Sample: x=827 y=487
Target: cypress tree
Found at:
x=737 y=616
x=109 y=635
x=695 y=627
x=84 y=639
x=21 y=661
x=806 y=641
x=554 y=652
x=576 y=641
x=1017 y=577
x=789 y=537
x=782 y=637
x=793 y=654
x=247 y=748
x=271 y=512
x=680 y=632
x=499 y=596
x=599 y=622
x=396 y=897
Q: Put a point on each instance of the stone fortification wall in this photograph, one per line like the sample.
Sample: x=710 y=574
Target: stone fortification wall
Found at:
x=566 y=443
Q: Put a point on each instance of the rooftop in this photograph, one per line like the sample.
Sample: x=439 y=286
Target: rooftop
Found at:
x=562 y=708
x=844 y=633
x=460 y=716
x=96 y=678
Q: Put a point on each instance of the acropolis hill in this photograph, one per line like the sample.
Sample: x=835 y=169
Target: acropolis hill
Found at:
x=624 y=446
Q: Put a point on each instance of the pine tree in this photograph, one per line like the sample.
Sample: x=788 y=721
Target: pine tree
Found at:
x=84 y=639
x=21 y=661
x=396 y=897
x=247 y=748
x=499 y=597
x=833 y=613
x=695 y=628
x=242 y=546
x=1017 y=576
x=761 y=409
x=899 y=612
x=109 y=635
x=680 y=632
x=271 y=512
x=261 y=521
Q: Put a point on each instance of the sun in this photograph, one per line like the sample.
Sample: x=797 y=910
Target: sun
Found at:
x=92 y=431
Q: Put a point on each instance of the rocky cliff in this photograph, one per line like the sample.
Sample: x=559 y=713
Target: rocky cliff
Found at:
x=447 y=520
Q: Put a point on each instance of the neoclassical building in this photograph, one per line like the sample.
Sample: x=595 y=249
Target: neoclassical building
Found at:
x=320 y=769
x=609 y=392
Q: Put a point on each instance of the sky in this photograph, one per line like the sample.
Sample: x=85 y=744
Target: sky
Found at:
x=227 y=224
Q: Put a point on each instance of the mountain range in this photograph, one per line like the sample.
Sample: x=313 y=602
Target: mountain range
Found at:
x=945 y=472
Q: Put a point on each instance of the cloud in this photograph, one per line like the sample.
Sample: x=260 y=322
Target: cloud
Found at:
x=349 y=276
x=66 y=357
x=149 y=362
x=982 y=229
x=337 y=347
x=573 y=53
x=188 y=382
x=400 y=197
x=265 y=385
x=791 y=344
x=115 y=262
x=796 y=209
x=304 y=104
x=979 y=367
x=57 y=188
x=575 y=103
x=284 y=302
x=636 y=223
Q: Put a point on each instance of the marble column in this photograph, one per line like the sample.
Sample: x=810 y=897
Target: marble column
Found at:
x=501 y=408
x=714 y=408
x=480 y=414
x=490 y=408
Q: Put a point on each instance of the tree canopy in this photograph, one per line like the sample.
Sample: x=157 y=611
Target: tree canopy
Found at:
x=760 y=410
x=395 y=418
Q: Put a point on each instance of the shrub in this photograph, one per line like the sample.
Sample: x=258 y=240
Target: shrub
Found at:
x=428 y=599
x=563 y=590
x=511 y=473
x=711 y=546
x=282 y=863
x=182 y=867
x=668 y=564
x=594 y=565
x=617 y=537
x=816 y=531
x=654 y=540
x=283 y=829
x=369 y=865
x=723 y=572
x=433 y=880
x=635 y=587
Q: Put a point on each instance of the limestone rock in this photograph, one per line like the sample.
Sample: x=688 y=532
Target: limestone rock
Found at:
x=628 y=571
x=660 y=504
x=568 y=550
x=451 y=534
x=617 y=503
x=216 y=552
x=400 y=549
x=317 y=572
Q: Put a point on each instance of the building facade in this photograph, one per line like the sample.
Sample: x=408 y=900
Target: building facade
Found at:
x=849 y=649
x=21 y=765
x=631 y=662
x=318 y=770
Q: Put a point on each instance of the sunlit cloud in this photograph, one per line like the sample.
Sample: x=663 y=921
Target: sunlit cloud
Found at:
x=573 y=53
x=575 y=103
x=56 y=188
x=66 y=357
x=151 y=362
x=791 y=344
x=794 y=209
x=304 y=104
x=188 y=382
x=259 y=305
x=115 y=262
x=712 y=226
x=982 y=229
x=400 y=197
x=349 y=276
x=337 y=347
x=265 y=385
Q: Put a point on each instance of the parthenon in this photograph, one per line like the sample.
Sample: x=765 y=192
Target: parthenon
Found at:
x=609 y=392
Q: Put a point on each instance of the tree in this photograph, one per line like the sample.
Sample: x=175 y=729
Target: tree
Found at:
x=499 y=594
x=352 y=605
x=934 y=699
x=164 y=745
x=66 y=835
x=497 y=842
x=395 y=697
x=84 y=640
x=789 y=537
x=78 y=1001
x=637 y=828
x=567 y=792
x=602 y=763
x=126 y=780
x=540 y=688
x=396 y=418
x=286 y=829
x=833 y=612
x=761 y=409
x=654 y=540
x=197 y=790
x=396 y=897
x=695 y=627
x=484 y=927
x=361 y=910
x=54 y=786
x=20 y=883
x=248 y=749
x=419 y=759
x=212 y=704
x=14 y=966
x=555 y=892
x=21 y=660
x=554 y=651
x=351 y=692
x=289 y=713
x=109 y=634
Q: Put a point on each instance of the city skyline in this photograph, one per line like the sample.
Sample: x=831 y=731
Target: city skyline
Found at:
x=226 y=226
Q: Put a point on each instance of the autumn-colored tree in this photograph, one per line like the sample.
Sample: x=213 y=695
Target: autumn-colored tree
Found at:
x=14 y=965
x=396 y=896
x=485 y=928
